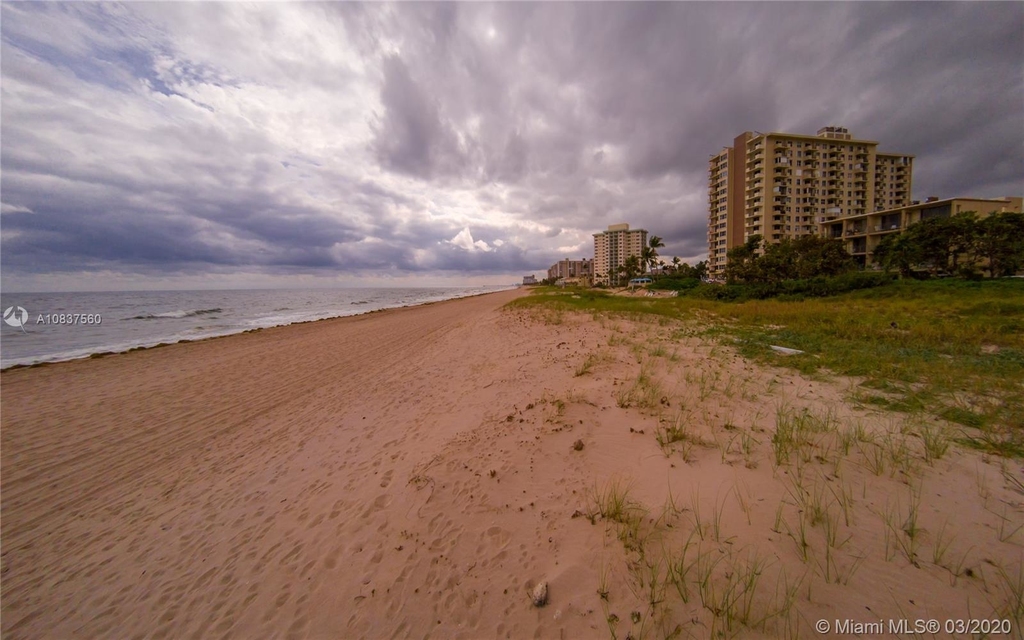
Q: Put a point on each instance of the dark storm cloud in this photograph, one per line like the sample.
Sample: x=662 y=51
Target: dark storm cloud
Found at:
x=428 y=138
x=412 y=138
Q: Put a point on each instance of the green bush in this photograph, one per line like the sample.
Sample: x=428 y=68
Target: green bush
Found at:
x=818 y=287
x=675 y=284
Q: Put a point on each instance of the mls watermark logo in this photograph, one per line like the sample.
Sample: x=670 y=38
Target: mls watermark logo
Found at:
x=16 y=317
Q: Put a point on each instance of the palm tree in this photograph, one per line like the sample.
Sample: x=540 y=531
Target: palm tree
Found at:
x=646 y=258
x=650 y=253
x=630 y=269
x=675 y=263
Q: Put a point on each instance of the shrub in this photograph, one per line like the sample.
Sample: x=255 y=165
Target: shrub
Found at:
x=676 y=284
x=818 y=287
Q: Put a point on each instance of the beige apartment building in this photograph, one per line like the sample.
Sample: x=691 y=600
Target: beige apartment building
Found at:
x=862 y=233
x=580 y=270
x=784 y=185
x=612 y=247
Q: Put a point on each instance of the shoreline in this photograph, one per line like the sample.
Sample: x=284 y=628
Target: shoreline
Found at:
x=93 y=355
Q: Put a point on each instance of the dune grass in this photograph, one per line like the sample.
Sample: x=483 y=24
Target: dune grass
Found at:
x=949 y=349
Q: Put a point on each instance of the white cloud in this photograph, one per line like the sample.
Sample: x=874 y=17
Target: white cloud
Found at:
x=6 y=208
x=464 y=240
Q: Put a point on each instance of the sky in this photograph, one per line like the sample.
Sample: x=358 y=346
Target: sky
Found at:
x=222 y=145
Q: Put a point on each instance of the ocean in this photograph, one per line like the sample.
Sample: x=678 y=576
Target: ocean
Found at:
x=65 y=326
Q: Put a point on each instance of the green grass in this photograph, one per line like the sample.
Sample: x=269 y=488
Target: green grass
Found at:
x=613 y=502
x=644 y=393
x=587 y=364
x=1012 y=583
x=956 y=350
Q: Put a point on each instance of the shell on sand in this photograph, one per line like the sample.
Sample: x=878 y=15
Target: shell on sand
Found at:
x=540 y=594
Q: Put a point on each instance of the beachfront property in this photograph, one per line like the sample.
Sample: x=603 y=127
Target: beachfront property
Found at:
x=862 y=233
x=580 y=271
x=611 y=249
x=785 y=185
x=530 y=279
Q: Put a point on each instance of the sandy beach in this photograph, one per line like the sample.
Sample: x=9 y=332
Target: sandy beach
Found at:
x=418 y=472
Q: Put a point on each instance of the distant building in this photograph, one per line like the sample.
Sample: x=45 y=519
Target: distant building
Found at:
x=612 y=247
x=529 y=279
x=862 y=233
x=579 y=270
x=783 y=185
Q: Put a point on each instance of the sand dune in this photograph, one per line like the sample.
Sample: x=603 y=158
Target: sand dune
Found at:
x=412 y=473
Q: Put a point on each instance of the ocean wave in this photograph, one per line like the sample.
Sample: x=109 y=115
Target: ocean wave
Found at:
x=112 y=348
x=165 y=333
x=175 y=314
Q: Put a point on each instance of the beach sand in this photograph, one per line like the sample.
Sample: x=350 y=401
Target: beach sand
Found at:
x=416 y=473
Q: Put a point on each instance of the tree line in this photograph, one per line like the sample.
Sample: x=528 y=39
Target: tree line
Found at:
x=962 y=245
x=958 y=245
x=791 y=259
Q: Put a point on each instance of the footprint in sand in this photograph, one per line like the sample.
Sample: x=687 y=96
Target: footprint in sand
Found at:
x=331 y=560
x=499 y=536
x=298 y=628
x=386 y=480
x=381 y=502
x=316 y=521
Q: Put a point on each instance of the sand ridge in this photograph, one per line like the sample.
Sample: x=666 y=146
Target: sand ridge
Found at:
x=412 y=473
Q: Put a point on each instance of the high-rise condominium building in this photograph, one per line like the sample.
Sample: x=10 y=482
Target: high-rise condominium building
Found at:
x=571 y=269
x=612 y=247
x=783 y=185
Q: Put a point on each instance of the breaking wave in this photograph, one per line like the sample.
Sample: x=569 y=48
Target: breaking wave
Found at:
x=176 y=314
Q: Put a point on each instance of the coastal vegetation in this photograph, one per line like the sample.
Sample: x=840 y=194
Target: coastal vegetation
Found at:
x=961 y=245
x=951 y=349
x=791 y=259
x=797 y=500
